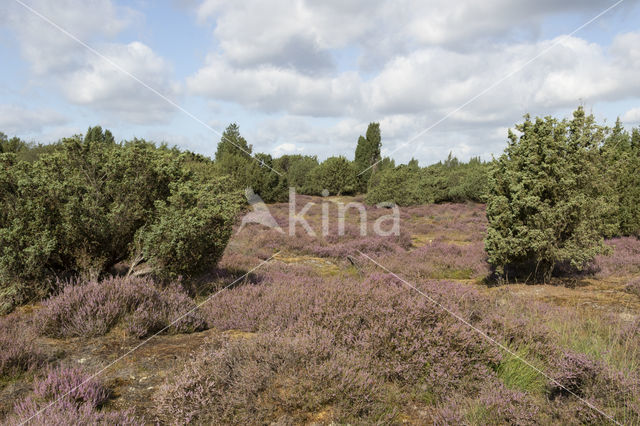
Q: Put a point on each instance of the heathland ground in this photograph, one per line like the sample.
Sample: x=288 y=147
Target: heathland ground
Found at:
x=321 y=334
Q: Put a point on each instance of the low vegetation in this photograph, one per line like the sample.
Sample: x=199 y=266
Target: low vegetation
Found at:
x=136 y=304
x=69 y=396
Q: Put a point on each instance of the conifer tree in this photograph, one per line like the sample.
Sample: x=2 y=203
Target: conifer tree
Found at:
x=233 y=143
x=546 y=202
x=367 y=154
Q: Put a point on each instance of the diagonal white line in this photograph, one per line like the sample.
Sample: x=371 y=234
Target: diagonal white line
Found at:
x=498 y=82
x=144 y=342
x=491 y=339
x=124 y=71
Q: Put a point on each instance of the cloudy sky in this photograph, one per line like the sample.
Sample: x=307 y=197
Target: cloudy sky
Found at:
x=307 y=77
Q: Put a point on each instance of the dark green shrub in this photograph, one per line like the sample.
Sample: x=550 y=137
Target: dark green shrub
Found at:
x=191 y=227
x=335 y=174
x=546 y=202
x=298 y=169
x=455 y=181
x=261 y=177
x=12 y=145
x=400 y=185
x=620 y=164
x=451 y=181
x=75 y=211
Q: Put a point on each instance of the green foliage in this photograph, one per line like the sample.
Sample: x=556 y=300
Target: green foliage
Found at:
x=546 y=200
x=389 y=163
x=12 y=145
x=76 y=210
x=454 y=181
x=232 y=143
x=516 y=374
x=367 y=154
x=400 y=185
x=298 y=169
x=335 y=174
x=27 y=151
x=262 y=178
x=191 y=227
x=620 y=165
x=451 y=181
x=234 y=159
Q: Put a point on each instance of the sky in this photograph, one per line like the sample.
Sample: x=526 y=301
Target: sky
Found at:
x=307 y=77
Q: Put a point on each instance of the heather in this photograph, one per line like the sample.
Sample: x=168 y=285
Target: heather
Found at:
x=624 y=258
x=495 y=404
x=137 y=304
x=409 y=350
x=319 y=334
x=20 y=352
x=358 y=364
x=67 y=396
x=442 y=259
x=72 y=383
x=65 y=412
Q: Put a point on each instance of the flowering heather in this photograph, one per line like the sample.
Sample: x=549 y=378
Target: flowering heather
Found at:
x=439 y=259
x=19 y=352
x=387 y=333
x=74 y=383
x=65 y=412
x=574 y=372
x=625 y=259
x=332 y=245
x=465 y=222
x=596 y=382
x=314 y=338
x=94 y=308
x=395 y=336
x=77 y=399
x=254 y=381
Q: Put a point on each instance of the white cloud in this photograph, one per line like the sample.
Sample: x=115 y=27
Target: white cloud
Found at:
x=83 y=77
x=416 y=90
x=48 y=50
x=437 y=79
x=469 y=23
x=300 y=34
x=287 y=34
x=305 y=76
x=102 y=86
x=16 y=120
x=286 y=148
x=631 y=117
x=269 y=88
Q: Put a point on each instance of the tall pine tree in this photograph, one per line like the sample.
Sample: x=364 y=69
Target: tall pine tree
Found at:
x=367 y=155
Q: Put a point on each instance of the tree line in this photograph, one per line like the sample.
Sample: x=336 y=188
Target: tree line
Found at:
x=368 y=173
x=83 y=205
